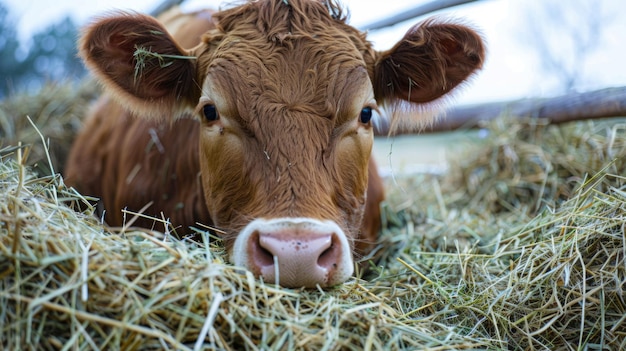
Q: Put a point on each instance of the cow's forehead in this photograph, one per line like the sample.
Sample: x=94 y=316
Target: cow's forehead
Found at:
x=295 y=55
x=289 y=78
x=327 y=77
x=309 y=106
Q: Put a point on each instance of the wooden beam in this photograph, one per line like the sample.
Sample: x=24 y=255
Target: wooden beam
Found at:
x=164 y=6
x=604 y=103
x=414 y=12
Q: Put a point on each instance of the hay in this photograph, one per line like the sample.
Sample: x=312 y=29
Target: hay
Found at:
x=528 y=159
x=57 y=111
x=504 y=252
x=144 y=292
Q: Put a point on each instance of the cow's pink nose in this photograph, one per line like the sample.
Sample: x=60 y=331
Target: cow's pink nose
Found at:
x=296 y=252
x=306 y=259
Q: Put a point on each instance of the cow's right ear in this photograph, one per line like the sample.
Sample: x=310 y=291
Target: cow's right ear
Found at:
x=138 y=62
x=431 y=60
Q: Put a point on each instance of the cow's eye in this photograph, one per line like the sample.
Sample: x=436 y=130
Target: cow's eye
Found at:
x=210 y=113
x=366 y=115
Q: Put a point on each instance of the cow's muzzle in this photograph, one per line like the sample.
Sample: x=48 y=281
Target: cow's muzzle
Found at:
x=294 y=252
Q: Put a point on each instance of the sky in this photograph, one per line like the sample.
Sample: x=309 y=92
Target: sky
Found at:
x=512 y=70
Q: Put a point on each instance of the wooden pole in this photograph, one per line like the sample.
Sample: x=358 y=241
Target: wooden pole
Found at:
x=164 y=6
x=414 y=12
x=608 y=102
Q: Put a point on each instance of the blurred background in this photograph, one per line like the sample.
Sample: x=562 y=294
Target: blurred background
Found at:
x=537 y=48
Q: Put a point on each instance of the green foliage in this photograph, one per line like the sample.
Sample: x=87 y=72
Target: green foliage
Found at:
x=50 y=56
x=9 y=46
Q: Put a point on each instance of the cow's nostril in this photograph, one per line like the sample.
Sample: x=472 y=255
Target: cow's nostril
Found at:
x=328 y=259
x=262 y=256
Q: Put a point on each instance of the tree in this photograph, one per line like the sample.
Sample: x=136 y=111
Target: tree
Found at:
x=564 y=34
x=50 y=57
x=53 y=54
x=9 y=46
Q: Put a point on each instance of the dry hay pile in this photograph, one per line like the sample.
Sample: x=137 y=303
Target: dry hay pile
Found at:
x=520 y=246
x=57 y=110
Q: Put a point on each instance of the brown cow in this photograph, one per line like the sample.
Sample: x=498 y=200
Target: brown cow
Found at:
x=267 y=132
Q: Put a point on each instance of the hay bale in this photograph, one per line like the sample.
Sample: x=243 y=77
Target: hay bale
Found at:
x=56 y=111
x=526 y=164
x=523 y=252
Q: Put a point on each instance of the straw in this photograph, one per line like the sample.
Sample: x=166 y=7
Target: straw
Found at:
x=522 y=246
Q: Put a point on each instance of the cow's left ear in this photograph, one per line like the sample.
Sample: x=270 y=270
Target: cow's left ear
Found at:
x=432 y=59
x=140 y=63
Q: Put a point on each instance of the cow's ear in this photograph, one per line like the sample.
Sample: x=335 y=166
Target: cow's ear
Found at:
x=431 y=60
x=140 y=64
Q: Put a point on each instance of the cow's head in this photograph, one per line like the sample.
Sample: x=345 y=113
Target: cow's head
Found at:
x=284 y=92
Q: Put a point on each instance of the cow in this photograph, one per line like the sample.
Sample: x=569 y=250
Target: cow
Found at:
x=261 y=128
